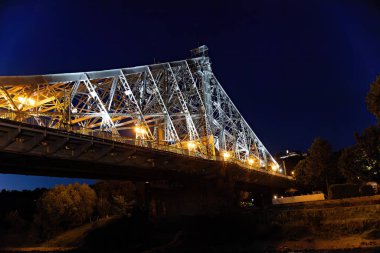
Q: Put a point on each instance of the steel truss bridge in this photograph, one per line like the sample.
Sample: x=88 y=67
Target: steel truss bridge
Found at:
x=175 y=107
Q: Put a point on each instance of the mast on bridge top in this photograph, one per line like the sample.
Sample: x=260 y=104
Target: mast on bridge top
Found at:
x=199 y=51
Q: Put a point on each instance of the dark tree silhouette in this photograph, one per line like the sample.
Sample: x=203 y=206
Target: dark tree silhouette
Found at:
x=318 y=169
x=361 y=162
x=114 y=197
x=373 y=98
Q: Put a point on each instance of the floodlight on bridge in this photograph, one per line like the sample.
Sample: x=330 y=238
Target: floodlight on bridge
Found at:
x=191 y=146
x=226 y=155
x=140 y=132
x=275 y=167
x=251 y=161
x=26 y=101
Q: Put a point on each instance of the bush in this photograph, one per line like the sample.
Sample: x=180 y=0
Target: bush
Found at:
x=367 y=190
x=340 y=191
x=13 y=220
x=114 y=197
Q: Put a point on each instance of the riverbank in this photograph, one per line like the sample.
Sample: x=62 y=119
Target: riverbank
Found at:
x=347 y=225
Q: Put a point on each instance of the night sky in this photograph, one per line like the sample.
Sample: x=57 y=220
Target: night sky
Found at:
x=295 y=69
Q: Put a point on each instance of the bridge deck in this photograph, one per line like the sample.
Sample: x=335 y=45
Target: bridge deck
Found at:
x=35 y=150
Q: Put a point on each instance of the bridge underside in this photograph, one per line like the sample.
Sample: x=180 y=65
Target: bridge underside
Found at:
x=32 y=150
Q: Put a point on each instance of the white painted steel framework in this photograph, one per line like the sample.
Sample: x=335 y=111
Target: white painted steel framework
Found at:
x=176 y=106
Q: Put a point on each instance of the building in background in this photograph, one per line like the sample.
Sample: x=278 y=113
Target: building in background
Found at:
x=289 y=159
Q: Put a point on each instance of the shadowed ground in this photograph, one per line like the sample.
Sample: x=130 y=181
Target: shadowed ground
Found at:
x=348 y=225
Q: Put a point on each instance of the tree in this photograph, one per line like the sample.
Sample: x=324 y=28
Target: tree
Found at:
x=350 y=164
x=369 y=144
x=114 y=197
x=63 y=207
x=303 y=178
x=318 y=169
x=13 y=220
x=373 y=98
x=361 y=162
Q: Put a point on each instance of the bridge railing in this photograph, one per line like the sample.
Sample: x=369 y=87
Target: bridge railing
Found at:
x=173 y=149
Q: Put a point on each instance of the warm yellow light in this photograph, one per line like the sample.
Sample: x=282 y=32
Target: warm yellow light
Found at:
x=27 y=101
x=31 y=101
x=22 y=100
x=191 y=145
x=275 y=196
x=226 y=155
x=274 y=167
x=140 y=131
x=293 y=173
x=251 y=161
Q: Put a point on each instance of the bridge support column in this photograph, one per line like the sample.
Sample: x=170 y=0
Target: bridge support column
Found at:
x=141 y=195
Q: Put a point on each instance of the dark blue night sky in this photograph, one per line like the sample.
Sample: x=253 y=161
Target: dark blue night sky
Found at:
x=295 y=69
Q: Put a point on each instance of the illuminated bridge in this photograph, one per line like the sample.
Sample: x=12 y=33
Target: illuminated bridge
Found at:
x=166 y=120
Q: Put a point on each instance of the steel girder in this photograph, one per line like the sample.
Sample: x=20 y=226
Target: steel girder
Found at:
x=230 y=130
x=177 y=106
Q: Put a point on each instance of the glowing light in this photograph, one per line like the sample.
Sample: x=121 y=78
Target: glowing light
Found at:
x=293 y=173
x=191 y=145
x=226 y=155
x=274 y=167
x=22 y=100
x=31 y=101
x=275 y=196
x=26 y=101
x=251 y=161
x=140 y=131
